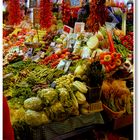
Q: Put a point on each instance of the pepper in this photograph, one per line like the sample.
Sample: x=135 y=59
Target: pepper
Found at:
x=118 y=62
x=103 y=54
x=112 y=66
x=125 y=42
x=107 y=68
x=115 y=55
x=107 y=58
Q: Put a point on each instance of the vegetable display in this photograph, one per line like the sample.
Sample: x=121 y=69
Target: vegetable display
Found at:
x=49 y=75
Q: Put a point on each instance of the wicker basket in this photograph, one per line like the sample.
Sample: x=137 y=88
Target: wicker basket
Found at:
x=113 y=114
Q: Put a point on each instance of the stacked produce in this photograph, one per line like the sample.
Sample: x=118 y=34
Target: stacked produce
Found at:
x=59 y=75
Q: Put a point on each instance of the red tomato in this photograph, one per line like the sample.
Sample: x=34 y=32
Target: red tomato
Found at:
x=65 y=50
x=62 y=56
x=67 y=53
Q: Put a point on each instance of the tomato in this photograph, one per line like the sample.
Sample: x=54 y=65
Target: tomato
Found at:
x=65 y=50
x=128 y=38
x=125 y=42
x=62 y=56
x=54 y=64
x=67 y=53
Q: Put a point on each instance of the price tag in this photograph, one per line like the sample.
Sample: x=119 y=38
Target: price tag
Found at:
x=15 y=49
x=67 y=29
x=67 y=65
x=61 y=65
x=76 y=3
x=79 y=27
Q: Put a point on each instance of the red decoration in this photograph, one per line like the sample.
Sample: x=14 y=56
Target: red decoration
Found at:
x=98 y=15
x=46 y=15
x=74 y=13
x=15 y=16
x=66 y=12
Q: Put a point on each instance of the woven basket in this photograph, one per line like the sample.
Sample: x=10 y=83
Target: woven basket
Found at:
x=113 y=114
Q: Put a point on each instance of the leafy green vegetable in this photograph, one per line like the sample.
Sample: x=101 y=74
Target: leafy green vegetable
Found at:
x=33 y=103
x=34 y=118
x=49 y=96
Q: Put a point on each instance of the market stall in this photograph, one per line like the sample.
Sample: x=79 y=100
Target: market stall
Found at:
x=59 y=78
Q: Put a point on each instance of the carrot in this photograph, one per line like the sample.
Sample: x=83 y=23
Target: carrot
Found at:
x=112 y=48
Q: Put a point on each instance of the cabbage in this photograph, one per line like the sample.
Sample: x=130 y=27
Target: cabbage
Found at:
x=33 y=103
x=34 y=118
x=80 y=97
x=49 y=96
x=93 y=42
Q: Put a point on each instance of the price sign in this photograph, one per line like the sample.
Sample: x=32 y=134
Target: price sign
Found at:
x=32 y=3
x=75 y=3
x=79 y=27
x=67 y=29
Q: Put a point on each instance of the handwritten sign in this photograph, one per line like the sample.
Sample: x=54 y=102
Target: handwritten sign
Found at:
x=75 y=3
x=36 y=16
x=32 y=3
x=67 y=29
x=79 y=27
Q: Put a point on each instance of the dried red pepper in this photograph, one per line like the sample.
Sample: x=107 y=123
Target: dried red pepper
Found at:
x=98 y=15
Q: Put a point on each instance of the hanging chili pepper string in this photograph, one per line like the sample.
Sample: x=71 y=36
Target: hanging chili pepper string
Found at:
x=66 y=12
x=46 y=15
x=15 y=16
x=98 y=15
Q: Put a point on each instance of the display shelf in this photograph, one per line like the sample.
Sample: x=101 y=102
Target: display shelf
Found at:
x=71 y=127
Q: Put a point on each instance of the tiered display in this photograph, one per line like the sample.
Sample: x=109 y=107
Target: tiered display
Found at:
x=50 y=75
